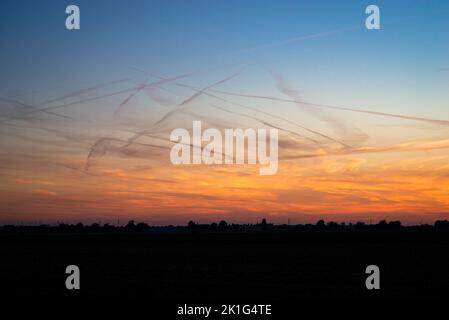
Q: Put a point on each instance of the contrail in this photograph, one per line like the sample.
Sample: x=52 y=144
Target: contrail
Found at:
x=323 y=34
x=264 y=123
x=46 y=109
x=197 y=94
x=286 y=89
x=385 y=114
x=146 y=85
x=128 y=98
x=36 y=109
x=297 y=125
x=84 y=90
x=102 y=145
x=32 y=139
x=262 y=112
x=30 y=107
x=92 y=98
x=139 y=134
x=408 y=146
x=151 y=134
x=210 y=87
x=298 y=39
x=97 y=150
x=147 y=133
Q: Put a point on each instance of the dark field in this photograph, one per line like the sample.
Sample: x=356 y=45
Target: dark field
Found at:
x=218 y=267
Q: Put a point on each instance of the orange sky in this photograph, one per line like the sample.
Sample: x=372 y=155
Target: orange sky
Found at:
x=408 y=182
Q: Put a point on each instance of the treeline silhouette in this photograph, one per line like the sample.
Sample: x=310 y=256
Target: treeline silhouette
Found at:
x=223 y=226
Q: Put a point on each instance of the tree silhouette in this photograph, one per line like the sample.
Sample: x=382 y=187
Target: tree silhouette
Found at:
x=222 y=226
x=191 y=226
x=130 y=226
x=321 y=224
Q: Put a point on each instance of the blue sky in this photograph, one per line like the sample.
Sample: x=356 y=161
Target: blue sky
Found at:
x=402 y=65
x=179 y=36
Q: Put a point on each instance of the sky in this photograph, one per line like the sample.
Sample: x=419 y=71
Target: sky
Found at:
x=363 y=114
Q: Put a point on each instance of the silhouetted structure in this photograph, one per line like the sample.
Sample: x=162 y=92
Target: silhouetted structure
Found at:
x=223 y=226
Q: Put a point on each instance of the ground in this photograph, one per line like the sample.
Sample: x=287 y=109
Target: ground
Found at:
x=218 y=267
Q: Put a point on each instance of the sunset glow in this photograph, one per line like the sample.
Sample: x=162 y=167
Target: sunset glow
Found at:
x=363 y=116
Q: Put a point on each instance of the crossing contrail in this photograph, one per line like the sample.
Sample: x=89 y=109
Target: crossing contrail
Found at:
x=83 y=91
x=265 y=113
x=196 y=95
x=30 y=108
